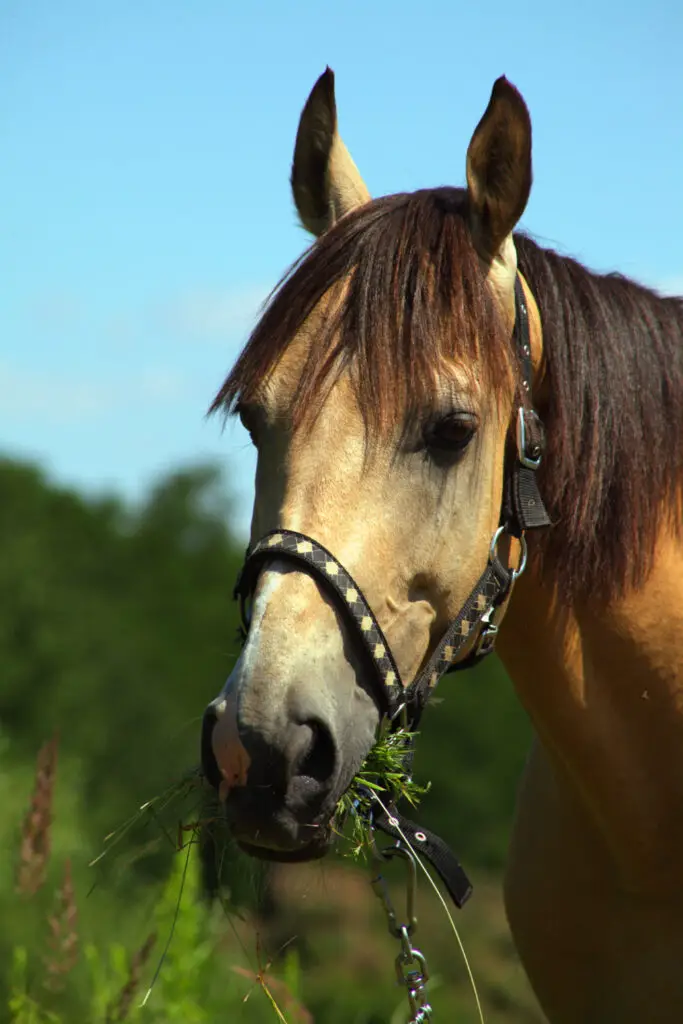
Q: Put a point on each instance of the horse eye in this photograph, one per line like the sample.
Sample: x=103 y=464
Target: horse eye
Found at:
x=451 y=433
x=247 y=418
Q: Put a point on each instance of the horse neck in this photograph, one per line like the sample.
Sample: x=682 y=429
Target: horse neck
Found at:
x=603 y=685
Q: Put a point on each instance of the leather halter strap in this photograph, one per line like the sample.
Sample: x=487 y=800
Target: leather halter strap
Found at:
x=522 y=509
x=338 y=582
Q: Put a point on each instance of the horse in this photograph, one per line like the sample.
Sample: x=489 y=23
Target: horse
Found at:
x=383 y=389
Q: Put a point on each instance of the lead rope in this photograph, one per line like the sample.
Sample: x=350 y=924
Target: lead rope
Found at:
x=414 y=980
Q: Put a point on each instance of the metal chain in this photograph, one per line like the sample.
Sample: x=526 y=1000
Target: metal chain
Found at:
x=411 y=965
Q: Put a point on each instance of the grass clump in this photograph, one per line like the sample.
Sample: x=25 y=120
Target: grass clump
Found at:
x=385 y=772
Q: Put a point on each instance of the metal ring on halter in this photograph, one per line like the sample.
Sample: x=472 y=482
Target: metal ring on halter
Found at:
x=493 y=551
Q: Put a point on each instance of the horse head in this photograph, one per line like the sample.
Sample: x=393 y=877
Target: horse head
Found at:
x=381 y=389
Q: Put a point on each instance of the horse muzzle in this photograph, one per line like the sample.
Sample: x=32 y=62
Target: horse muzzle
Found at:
x=278 y=780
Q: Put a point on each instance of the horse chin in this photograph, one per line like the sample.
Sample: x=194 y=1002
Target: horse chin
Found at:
x=312 y=850
x=272 y=829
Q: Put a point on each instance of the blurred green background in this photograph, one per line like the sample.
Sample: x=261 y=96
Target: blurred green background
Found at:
x=117 y=627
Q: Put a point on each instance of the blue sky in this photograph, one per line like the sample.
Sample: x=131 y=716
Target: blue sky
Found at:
x=146 y=208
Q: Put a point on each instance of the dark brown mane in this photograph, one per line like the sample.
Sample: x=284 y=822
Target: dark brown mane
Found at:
x=614 y=422
x=415 y=294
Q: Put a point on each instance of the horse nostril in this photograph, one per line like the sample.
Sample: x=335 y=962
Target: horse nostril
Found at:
x=319 y=759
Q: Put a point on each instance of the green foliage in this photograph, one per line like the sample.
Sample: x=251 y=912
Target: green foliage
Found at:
x=182 y=988
x=117 y=628
x=22 y=1007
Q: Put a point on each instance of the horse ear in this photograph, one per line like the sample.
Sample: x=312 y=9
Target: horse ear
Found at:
x=499 y=169
x=325 y=181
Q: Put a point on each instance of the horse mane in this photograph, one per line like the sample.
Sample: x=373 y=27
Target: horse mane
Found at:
x=613 y=470
x=404 y=290
x=394 y=288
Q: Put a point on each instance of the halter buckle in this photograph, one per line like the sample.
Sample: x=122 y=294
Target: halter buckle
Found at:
x=530 y=456
x=487 y=640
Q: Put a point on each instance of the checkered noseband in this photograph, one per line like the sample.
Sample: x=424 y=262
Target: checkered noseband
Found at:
x=476 y=624
x=393 y=694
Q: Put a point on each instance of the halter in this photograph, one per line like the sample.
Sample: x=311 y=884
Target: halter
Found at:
x=478 y=619
x=476 y=624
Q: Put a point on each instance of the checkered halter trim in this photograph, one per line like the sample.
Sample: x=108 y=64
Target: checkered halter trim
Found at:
x=289 y=545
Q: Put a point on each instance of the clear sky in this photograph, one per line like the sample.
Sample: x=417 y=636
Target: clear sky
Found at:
x=145 y=202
